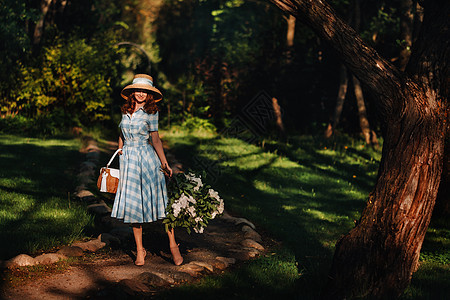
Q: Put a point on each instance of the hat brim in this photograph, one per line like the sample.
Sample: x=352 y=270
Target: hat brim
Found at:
x=157 y=95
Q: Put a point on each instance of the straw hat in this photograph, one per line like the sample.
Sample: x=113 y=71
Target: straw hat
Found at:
x=142 y=82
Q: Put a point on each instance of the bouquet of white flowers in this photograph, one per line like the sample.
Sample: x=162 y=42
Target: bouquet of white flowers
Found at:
x=192 y=204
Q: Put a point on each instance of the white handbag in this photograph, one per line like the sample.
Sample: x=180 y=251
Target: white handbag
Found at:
x=108 y=181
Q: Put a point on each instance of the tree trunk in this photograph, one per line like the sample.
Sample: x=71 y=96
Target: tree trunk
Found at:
x=377 y=258
x=39 y=29
x=290 y=38
x=369 y=135
x=342 y=92
x=290 y=31
x=279 y=120
x=406 y=31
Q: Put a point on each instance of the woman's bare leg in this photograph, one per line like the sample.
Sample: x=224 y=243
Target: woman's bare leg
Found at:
x=140 y=251
x=176 y=255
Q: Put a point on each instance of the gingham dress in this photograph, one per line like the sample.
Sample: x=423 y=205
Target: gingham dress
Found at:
x=141 y=196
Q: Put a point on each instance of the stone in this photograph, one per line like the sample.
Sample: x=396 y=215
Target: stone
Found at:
x=108 y=239
x=49 y=258
x=192 y=269
x=239 y=221
x=87 y=166
x=92 y=147
x=86 y=180
x=180 y=277
x=87 y=173
x=253 y=235
x=246 y=228
x=92 y=156
x=217 y=264
x=203 y=265
x=134 y=287
x=80 y=188
x=165 y=277
x=252 y=244
x=70 y=251
x=227 y=260
x=245 y=253
x=20 y=260
x=99 y=208
x=150 y=278
x=83 y=193
x=227 y=217
x=92 y=245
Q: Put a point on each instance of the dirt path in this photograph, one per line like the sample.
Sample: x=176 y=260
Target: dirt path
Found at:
x=114 y=275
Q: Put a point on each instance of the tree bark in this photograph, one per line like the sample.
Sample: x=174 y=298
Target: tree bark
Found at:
x=377 y=258
x=369 y=135
x=39 y=29
x=342 y=92
x=290 y=33
x=279 y=120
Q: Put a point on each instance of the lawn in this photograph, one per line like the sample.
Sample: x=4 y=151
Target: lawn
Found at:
x=305 y=193
x=36 y=181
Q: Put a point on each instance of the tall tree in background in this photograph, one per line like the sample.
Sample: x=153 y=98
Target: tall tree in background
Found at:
x=377 y=257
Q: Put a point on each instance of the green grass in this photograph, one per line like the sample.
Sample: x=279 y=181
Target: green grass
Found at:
x=36 y=176
x=306 y=193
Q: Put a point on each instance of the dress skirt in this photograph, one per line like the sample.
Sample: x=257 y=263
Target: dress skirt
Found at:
x=141 y=195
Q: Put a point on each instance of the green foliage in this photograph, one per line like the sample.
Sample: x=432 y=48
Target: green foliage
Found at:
x=72 y=83
x=192 y=123
x=15 y=43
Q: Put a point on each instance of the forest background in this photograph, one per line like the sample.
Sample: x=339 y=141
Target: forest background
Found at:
x=64 y=62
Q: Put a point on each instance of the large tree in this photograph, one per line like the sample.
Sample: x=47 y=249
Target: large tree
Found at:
x=377 y=257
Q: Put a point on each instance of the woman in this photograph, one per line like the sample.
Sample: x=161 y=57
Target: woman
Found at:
x=141 y=196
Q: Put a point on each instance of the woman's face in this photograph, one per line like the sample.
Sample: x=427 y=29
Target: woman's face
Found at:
x=140 y=96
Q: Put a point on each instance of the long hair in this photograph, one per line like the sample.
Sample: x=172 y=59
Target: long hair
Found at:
x=150 y=106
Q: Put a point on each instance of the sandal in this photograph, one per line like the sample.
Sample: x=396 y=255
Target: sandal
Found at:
x=139 y=263
x=176 y=255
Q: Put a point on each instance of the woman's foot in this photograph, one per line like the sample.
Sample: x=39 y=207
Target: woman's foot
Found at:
x=176 y=255
x=140 y=257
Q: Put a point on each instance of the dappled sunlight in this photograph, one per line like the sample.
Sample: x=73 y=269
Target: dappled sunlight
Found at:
x=34 y=185
x=304 y=195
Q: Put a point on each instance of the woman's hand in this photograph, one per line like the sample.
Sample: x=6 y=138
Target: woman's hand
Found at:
x=120 y=152
x=167 y=170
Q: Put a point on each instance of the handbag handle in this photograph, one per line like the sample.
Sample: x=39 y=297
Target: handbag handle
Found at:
x=114 y=155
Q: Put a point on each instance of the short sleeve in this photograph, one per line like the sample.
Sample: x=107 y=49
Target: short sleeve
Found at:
x=153 y=121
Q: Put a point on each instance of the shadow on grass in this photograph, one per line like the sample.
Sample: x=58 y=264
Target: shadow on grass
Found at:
x=293 y=203
x=34 y=185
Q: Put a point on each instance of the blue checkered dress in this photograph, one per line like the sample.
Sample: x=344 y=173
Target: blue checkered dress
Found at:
x=141 y=196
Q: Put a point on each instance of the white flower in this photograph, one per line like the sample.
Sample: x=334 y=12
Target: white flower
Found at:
x=192 y=200
x=214 y=214
x=198 y=219
x=197 y=180
x=184 y=201
x=176 y=209
x=221 y=206
x=213 y=194
x=191 y=211
x=199 y=230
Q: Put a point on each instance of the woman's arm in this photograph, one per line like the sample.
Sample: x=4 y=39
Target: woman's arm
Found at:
x=157 y=144
x=120 y=143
